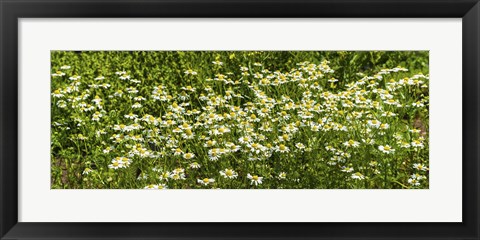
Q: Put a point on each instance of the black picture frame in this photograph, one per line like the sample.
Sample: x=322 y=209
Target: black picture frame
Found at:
x=12 y=10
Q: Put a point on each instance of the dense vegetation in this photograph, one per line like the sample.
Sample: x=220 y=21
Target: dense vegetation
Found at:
x=239 y=119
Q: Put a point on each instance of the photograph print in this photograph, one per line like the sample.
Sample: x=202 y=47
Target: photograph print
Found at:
x=239 y=120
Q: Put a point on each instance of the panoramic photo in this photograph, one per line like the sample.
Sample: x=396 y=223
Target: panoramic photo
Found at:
x=239 y=120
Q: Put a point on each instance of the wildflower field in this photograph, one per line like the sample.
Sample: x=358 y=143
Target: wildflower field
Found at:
x=239 y=120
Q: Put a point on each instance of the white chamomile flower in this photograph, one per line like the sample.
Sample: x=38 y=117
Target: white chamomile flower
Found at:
x=206 y=181
x=414 y=130
x=86 y=171
x=151 y=186
x=418 y=104
x=57 y=93
x=347 y=169
x=58 y=74
x=282 y=148
x=386 y=149
x=96 y=116
x=188 y=155
x=417 y=143
x=189 y=88
x=414 y=182
x=384 y=126
x=255 y=179
x=97 y=100
x=228 y=173
x=156 y=186
x=177 y=152
x=358 y=176
x=351 y=143
x=245 y=140
x=232 y=147
x=116 y=164
x=136 y=105
x=195 y=165
x=300 y=146
x=420 y=167
x=374 y=123
x=131 y=116
x=74 y=77
x=190 y=72
x=177 y=176
x=107 y=149
x=124 y=77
